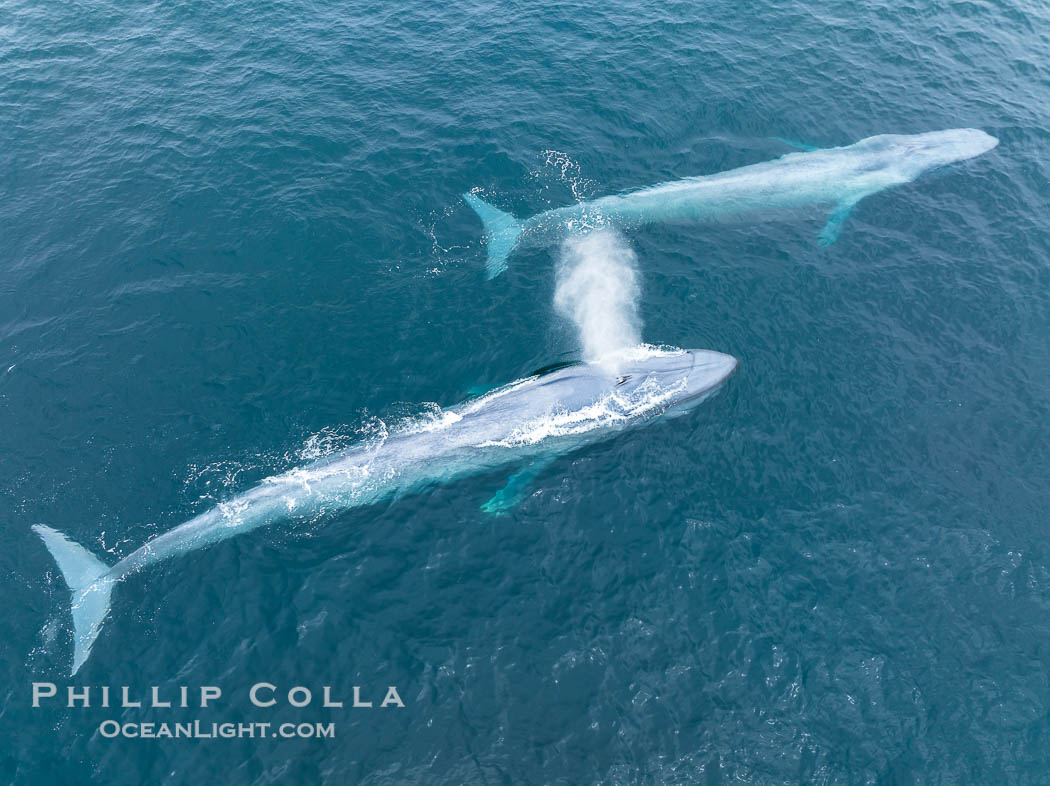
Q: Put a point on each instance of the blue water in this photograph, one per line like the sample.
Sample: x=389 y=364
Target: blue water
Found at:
x=231 y=239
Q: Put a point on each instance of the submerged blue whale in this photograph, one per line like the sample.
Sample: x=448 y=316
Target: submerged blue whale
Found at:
x=835 y=178
x=523 y=425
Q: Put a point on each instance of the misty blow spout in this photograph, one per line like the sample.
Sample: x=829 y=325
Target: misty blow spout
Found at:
x=597 y=289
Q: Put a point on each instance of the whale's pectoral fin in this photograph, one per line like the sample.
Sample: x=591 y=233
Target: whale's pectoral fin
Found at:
x=516 y=489
x=830 y=233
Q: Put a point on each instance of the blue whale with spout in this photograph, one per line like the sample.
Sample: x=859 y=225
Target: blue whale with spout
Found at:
x=523 y=426
x=833 y=178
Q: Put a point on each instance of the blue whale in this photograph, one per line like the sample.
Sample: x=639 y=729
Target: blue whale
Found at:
x=522 y=426
x=835 y=178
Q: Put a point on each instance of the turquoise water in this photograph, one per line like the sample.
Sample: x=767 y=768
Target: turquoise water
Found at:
x=233 y=240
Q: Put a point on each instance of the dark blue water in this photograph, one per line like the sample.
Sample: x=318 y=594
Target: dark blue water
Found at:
x=231 y=238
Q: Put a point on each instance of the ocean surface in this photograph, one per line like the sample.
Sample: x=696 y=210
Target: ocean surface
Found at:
x=232 y=239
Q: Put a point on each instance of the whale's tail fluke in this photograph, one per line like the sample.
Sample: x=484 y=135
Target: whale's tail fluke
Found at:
x=502 y=231
x=91 y=588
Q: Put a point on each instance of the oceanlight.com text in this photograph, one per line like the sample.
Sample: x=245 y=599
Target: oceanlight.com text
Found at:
x=221 y=731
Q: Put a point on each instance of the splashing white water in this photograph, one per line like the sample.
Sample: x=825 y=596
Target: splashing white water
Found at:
x=597 y=288
x=567 y=171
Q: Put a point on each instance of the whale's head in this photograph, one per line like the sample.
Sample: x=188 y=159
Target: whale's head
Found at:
x=913 y=154
x=681 y=378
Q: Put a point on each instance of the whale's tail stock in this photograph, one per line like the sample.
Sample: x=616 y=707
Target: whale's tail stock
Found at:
x=502 y=231
x=89 y=584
